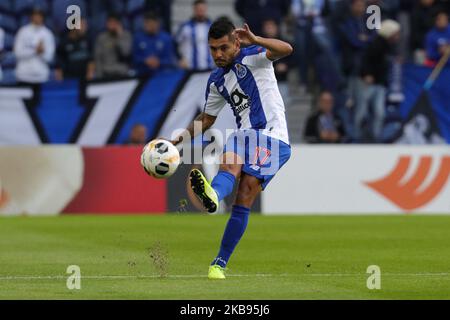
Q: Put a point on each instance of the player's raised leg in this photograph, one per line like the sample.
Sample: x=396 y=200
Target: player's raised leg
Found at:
x=248 y=190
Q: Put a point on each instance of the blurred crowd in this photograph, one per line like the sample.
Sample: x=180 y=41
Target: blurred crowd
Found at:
x=352 y=68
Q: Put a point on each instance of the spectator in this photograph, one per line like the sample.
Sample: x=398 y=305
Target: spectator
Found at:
x=422 y=21
x=313 y=43
x=281 y=67
x=138 y=135
x=192 y=39
x=2 y=46
x=323 y=126
x=438 y=39
x=113 y=50
x=374 y=78
x=34 y=48
x=355 y=37
x=74 y=55
x=153 y=49
x=163 y=9
x=256 y=11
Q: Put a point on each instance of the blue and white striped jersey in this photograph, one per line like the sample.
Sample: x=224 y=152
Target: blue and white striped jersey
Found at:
x=249 y=86
x=192 y=40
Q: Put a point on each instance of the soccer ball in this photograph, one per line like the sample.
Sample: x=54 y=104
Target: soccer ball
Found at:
x=160 y=159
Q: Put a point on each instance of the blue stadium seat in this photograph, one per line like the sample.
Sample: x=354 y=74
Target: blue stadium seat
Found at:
x=9 y=60
x=9 y=41
x=96 y=6
x=6 y=6
x=9 y=76
x=97 y=24
x=21 y=6
x=138 y=23
x=23 y=19
x=8 y=22
x=135 y=6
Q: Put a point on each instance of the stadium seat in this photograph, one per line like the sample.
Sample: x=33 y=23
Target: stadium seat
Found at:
x=21 y=6
x=9 y=60
x=6 y=6
x=137 y=23
x=9 y=76
x=135 y=6
x=9 y=41
x=8 y=22
x=96 y=6
x=23 y=19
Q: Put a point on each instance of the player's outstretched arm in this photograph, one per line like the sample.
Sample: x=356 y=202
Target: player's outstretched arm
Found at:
x=206 y=121
x=276 y=49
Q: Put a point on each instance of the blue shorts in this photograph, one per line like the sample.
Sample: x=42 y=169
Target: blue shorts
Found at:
x=262 y=156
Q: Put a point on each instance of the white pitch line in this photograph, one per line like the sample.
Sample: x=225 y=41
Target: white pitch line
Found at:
x=186 y=276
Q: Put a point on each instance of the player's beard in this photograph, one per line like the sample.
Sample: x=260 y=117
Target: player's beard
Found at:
x=221 y=63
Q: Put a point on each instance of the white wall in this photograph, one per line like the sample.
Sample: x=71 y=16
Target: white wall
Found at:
x=333 y=180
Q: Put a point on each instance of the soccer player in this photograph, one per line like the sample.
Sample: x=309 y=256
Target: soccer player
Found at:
x=245 y=80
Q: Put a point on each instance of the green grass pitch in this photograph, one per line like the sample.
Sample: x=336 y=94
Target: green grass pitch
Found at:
x=303 y=257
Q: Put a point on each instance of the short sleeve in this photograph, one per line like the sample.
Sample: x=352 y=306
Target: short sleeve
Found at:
x=257 y=56
x=214 y=101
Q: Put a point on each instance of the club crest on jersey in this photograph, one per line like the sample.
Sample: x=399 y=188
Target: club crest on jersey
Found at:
x=241 y=70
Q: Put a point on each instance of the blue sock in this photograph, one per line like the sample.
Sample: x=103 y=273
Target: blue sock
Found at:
x=223 y=183
x=233 y=232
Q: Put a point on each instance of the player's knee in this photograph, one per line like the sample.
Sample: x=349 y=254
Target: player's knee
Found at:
x=231 y=168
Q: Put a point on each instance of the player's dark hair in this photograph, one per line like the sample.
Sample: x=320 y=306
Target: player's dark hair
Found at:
x=114 y=16
x=150 y=15
x=37 y=11
x=197 y=2
x=220 y=28
x=438 y=11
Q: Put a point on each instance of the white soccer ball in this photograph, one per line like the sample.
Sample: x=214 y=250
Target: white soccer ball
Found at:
x=160 y=159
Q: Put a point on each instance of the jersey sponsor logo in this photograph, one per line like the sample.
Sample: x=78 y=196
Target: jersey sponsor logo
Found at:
x=240 y=100
x=241 y=70
x=411 y=194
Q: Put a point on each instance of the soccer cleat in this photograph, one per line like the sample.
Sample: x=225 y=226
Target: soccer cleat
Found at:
x=216 y=272
x=202 y=188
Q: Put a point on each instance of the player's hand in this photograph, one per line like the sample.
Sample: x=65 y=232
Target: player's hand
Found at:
x=245 y=36
x=183 y=64
x=59 y=76
x=444 y=48
x=40 y=48
x=152 y=62
x=369 y=79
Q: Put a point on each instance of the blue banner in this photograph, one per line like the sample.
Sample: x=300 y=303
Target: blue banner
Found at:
x=438 y=97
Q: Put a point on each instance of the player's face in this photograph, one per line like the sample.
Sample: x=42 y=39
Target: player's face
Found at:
x=224 y=50
x=37 y=19
x=442 y=21
x=200 y=11
x=359 y=8
x=151 y=26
